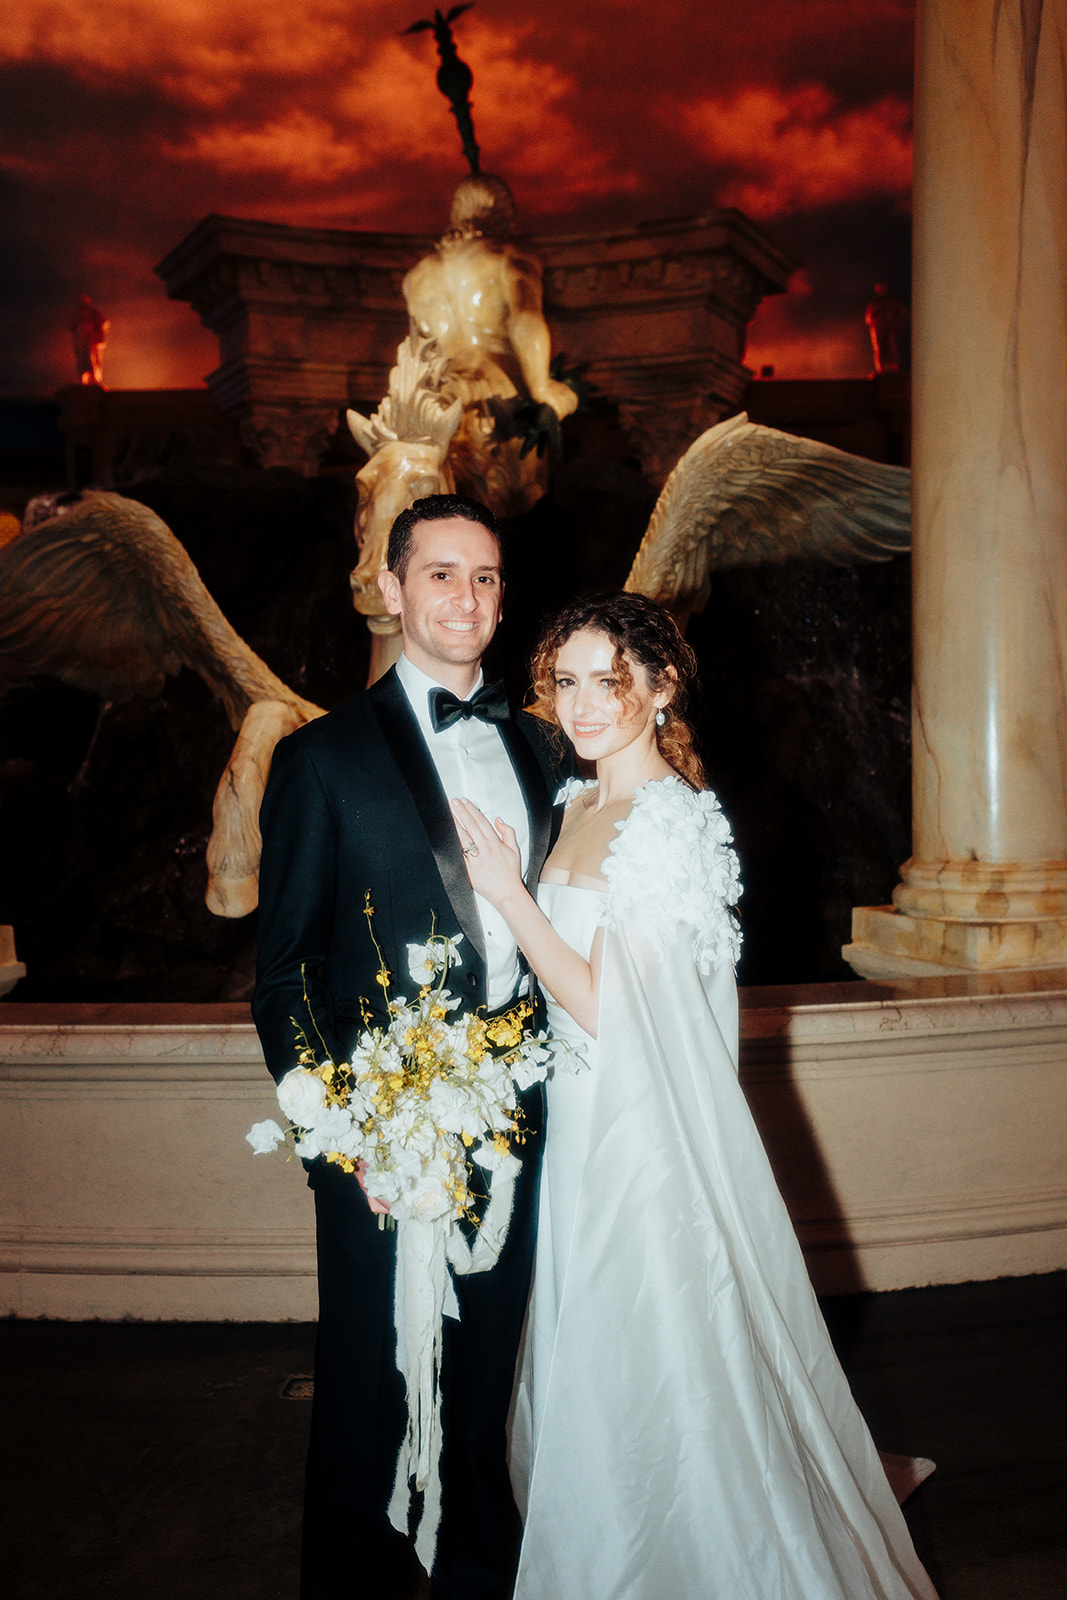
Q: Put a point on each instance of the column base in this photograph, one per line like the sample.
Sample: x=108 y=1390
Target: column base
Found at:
x=887 y=944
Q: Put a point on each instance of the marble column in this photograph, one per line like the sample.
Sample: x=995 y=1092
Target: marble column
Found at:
x=986 y=887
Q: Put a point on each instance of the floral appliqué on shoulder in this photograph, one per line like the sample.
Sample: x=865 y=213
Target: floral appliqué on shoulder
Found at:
x=672 y=866
x=570 y=789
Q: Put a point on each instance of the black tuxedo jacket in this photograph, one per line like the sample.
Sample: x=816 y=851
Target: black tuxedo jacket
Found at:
x=354 y=805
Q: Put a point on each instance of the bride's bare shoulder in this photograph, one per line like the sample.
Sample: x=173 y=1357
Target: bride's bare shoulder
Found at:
x=585 y=836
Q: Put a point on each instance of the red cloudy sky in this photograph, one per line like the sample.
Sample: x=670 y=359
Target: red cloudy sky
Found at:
x=123 y=122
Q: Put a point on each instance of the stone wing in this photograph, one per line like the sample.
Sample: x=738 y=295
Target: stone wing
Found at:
x=104 y=597
x=744 y=495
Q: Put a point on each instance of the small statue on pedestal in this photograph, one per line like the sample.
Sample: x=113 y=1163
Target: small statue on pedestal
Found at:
x=885 y=317
x=90 y=336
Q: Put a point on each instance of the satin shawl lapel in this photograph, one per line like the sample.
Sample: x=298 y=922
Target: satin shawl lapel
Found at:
x=408 y=748
x=535 y=793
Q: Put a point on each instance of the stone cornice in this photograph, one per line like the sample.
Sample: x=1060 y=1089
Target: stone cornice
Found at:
x=228 y=260
x=308 y=318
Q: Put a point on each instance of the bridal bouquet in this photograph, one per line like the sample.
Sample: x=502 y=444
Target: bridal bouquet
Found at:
x=424 y=1095
x=428 y=1094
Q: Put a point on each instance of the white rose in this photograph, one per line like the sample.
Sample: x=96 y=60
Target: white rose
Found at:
x=496 y=1079
x=331 y=1124
x=428 y=1197
x=301 y=1094
x=350 y=1143
x=407 y=1124
x=452 y=1108
x=407 y=1165
x=265 y=1137
x=380 y=1183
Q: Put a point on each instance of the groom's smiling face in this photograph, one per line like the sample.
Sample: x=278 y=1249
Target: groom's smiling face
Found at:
x=449 y=600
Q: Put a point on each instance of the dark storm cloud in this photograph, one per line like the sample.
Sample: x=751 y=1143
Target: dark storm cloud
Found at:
x=122 y=124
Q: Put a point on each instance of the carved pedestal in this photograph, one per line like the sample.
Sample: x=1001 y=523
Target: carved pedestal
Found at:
x=309 y=320
x=287 y=436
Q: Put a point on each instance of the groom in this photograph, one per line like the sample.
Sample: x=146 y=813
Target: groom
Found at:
x=358 y=801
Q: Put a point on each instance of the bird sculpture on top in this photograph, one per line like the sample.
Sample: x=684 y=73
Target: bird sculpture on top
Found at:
x=454 y=77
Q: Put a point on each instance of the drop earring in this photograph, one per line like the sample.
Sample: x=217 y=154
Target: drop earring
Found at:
x=661 y=718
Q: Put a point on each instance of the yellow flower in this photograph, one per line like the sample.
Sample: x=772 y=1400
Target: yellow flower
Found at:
x=382 y=977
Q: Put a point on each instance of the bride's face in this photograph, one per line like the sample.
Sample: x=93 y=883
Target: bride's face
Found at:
x=587 y=704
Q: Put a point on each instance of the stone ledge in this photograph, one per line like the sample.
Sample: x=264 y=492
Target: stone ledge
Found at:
x=917 y=1132
x=170 y=1252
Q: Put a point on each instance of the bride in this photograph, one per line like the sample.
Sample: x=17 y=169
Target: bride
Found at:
x=682 y=1425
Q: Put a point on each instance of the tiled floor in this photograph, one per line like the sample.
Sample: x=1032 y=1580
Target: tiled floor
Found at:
x=161 y=1459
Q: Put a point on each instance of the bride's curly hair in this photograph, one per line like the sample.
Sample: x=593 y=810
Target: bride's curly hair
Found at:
x=647 y=634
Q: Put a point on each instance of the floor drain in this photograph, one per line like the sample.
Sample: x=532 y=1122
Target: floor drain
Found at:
x=301 y=1386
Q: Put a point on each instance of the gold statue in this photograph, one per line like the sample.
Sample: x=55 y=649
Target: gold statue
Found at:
x=407 y=442
x=89 y=328
x=478 y=296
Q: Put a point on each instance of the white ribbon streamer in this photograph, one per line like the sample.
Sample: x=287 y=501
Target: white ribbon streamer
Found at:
x=423 y=1296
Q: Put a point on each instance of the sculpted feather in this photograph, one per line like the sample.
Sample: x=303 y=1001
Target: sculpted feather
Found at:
x=744 y=496
x=103 y=596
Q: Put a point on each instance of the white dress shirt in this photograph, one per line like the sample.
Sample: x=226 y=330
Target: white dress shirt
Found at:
x=473 y=764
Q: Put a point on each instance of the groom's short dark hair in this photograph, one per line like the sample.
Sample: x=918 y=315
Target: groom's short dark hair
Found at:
x=434 y=508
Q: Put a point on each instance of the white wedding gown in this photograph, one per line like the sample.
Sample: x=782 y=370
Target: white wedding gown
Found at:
x=682 y=1429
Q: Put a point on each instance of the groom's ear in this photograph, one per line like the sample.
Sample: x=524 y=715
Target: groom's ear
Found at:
x=389 y=584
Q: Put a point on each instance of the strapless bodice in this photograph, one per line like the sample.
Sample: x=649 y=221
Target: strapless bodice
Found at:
x=574 y=910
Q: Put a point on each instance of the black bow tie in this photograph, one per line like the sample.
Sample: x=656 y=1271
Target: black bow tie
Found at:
x=490 y=704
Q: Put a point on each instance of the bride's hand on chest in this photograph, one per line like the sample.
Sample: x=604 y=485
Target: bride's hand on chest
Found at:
x=490 y=853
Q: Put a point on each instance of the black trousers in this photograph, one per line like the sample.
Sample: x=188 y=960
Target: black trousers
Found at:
x=359 y=1410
